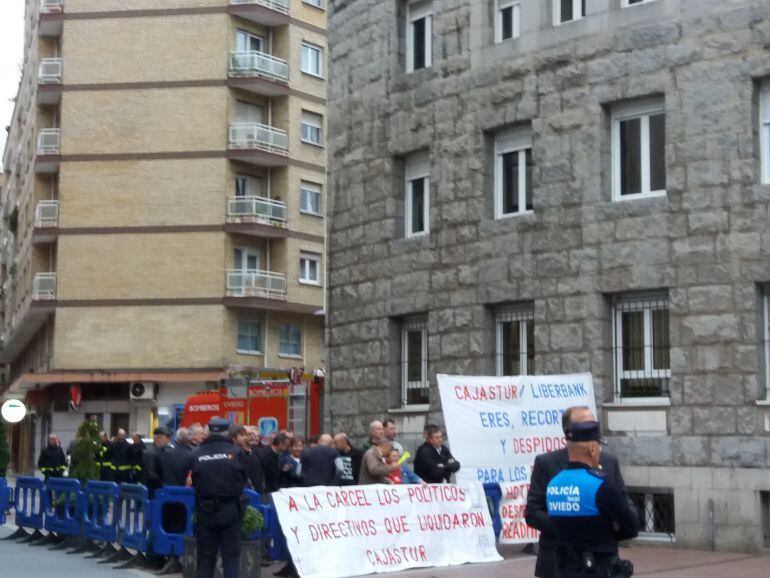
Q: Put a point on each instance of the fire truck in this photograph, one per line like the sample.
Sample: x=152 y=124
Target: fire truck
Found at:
x=272 y=400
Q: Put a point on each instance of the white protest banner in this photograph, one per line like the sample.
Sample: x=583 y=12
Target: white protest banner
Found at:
x=334 y=532
x=498 y=425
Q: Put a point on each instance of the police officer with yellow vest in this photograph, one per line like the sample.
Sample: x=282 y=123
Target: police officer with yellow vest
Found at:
x=219 y=478
x=588 y=513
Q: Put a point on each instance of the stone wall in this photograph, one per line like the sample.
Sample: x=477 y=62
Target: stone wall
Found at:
x=705 y=243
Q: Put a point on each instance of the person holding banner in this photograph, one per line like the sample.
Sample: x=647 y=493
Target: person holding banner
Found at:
x=589 y=514
x=545 y=468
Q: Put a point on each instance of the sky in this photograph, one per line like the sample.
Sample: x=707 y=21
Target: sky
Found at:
x=11 y=55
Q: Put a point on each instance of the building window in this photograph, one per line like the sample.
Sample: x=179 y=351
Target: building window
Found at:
x=627 y=3
x=515 y=340
x=507 y=20
x=641 y=345
x=419 y=35
x=568 y=10
x=417 y=194
x=513 y=172
x=249 y=337
x=316 y=3
x=767 y=339
x=310 y=268
x=247 y=42
x=764 y=130
x=310 y=198
x=311 y=128
x=656 y=514
x=414 y=362
x=290 y=341
x=248 y=186
x=639 y=150
x=312 y=59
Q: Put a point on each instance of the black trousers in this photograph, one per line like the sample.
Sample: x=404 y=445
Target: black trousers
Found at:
x=219 y=530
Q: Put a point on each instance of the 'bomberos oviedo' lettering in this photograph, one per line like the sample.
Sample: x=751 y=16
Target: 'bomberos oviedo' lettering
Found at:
x=488 y=392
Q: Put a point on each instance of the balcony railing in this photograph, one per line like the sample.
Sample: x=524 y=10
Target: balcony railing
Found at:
x=256 y=283
x=47 y=214
x=259 y=209
x=279 y=5
x=44 y=287
x=51 y=6
x=50 y=70
x=49 y=141
x=252 y=135
x=255 y=63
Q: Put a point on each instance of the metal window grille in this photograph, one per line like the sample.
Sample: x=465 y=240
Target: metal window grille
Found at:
x=514 y=340
x=656 y=514
x=414 y=362
x=642 y=360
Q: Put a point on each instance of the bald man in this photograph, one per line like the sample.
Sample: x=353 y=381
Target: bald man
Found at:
x=376 y=431
x=545 y=468
x=318 y=463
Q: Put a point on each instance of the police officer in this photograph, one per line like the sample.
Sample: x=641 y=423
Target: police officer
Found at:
x=219 y=478
x=588 y=513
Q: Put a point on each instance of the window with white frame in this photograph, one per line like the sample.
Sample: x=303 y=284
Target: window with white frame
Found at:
x=248 y=186
x=290 y=341
x=249 y=336
x=414 y=362
x=507 y=20
x=764 y=130
x=310 y=268
x=639 y=149
x=568 y=10
x=311 y=128
x=627 y=3
x=419 y=35
x=417 y=194
x=767 y=338
x=642 y=357
x=247 y=42
x=513 y=172
x=312 y=59
x=515 y=340
x=310 y=198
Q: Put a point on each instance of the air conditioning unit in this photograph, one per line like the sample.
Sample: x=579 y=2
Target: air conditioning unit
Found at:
x=142 y=391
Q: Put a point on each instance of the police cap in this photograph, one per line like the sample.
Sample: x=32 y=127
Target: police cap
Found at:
x=587 y=431
x=218 y=425
x=161 y=431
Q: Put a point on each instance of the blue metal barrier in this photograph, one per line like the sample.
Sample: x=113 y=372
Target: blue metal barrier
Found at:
x=100 y=511
x=134 y=517
x=28 y=502
x=6 y=499
x=164 y=542
x=255 y=501
x=63 y=506
x=279 y=549
x=494 y=494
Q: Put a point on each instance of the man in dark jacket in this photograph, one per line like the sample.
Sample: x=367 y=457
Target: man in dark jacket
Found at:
x=318 y=463
x=121 y=457
x=52 y=461
x=434 y=462
x=239 y=434
x=270 y=458
x=154 y=456
x=545 y=469
x=349 y=460
x=136 y=457
x=104 y=458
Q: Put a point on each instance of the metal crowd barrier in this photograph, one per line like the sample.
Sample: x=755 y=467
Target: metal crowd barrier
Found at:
x=255 y=501
x=6 y=499
x=134 y=517
x=63 y=506
x=164 y=542
x=99 y=512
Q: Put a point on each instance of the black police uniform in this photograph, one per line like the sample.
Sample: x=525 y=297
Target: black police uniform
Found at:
x=52 y=462
x=589 y=515
x=219 y=478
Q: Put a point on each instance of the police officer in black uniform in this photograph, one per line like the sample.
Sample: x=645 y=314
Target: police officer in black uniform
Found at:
x=219 y=478
x=589 y=514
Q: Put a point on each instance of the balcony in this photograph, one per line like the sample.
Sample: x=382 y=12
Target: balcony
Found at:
x=49 y=80
x=46 y=222
x=51 y=17
x=48 y=149
x=259 y=73
x=256 y=283
x=256 y=210
x=258 y=144
x=266 y=12
x=44 y=287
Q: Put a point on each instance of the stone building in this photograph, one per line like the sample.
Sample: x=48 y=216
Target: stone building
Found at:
x=163 y=204
x=557 y=186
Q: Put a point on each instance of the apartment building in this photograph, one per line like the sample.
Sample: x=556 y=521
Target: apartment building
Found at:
x=559 y=186
x=163 y=206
